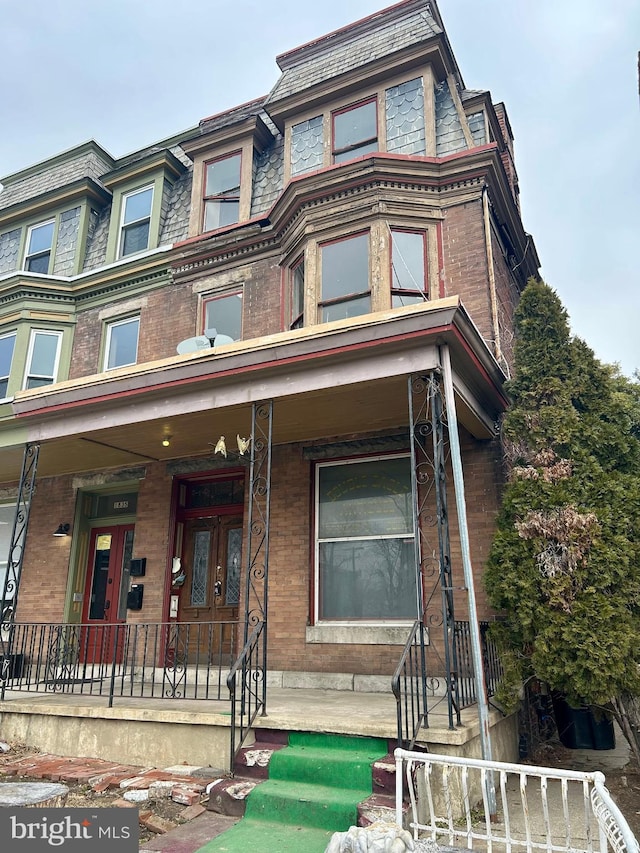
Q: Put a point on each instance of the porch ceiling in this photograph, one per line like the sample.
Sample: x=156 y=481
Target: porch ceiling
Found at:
x=330 y=383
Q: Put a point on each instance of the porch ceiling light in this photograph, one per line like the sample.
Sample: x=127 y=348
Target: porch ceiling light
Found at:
x=63 y=530
x=166 y=441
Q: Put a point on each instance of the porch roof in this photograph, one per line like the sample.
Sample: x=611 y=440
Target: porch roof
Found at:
x=336 y=379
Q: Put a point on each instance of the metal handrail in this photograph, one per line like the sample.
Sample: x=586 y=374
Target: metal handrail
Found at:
x=539 y=808
x=409 y=685
x=168 y=660
x=249 y=667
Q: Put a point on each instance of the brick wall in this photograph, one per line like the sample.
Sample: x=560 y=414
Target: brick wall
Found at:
x=465 y=261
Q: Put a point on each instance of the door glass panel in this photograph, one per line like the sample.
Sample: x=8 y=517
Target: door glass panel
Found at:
x=234 y=557
x=127 y=551
x=200 y=571
x=97 y=607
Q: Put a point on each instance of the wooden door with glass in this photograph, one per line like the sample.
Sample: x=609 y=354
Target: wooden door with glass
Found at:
x=211 y=561
x=105 y=599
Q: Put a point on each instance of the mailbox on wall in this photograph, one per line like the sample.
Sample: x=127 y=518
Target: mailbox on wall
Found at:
x=138 y=567
x=134 y=597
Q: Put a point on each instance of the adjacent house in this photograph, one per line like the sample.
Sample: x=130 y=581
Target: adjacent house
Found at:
x=230 y=368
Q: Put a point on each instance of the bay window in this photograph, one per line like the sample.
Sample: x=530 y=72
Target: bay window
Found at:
x=43 y=356
x=365 y=547
x=296 y=313
x=345 y=284
x=408 y=267
x=7 y=345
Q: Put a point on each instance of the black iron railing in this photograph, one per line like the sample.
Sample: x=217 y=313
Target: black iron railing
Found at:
x=170 y=660
x=490 y=662
x=409 y=685
x=247 y=688
x=413 y=685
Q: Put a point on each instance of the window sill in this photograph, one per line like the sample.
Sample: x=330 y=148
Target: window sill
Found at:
x=365 y=635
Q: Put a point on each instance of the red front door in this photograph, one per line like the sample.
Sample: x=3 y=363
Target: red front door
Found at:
x=105 y=599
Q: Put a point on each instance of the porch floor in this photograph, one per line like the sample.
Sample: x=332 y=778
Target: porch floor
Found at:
x=288 y=709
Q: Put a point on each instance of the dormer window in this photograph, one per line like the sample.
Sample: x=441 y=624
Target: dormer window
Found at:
x=136 y=218
x=355 y=131
x=222 y=192
x=39 y=243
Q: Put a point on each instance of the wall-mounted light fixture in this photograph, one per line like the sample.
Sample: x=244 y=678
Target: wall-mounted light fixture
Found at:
x=63 y=530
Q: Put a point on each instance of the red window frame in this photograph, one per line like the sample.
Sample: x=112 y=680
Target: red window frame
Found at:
x=353 y=148
x=422 y=290
x=352 y=295
x=296 y=320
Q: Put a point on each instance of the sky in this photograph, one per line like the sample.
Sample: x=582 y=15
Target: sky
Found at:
x=130 y=72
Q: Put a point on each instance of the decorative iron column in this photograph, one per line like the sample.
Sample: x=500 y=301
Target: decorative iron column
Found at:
x=11 y=586
x=257 y=565
x=428 y=461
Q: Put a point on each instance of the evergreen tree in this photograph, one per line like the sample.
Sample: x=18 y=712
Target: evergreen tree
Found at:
x=564 y=567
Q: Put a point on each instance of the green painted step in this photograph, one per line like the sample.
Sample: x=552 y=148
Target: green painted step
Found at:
x=313 y=790
x=301 y=803
x=325 y=761
x=250 y=836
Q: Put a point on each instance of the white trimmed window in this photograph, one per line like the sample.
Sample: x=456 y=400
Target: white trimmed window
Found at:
x=135 y=222
x=223 y=314
x=365 y=547
x=39 y=243
x=7 y=346
x=121 y=346
x=43 y=357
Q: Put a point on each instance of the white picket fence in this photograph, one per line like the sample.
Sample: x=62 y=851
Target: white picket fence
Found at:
x=507 y=808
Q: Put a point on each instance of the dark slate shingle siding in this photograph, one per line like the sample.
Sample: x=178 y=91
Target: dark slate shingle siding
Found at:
x=363 y=48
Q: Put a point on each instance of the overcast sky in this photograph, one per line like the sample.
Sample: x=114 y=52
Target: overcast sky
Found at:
x=130 y=72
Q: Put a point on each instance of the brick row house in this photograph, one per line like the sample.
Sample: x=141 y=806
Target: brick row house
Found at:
x=216 y=349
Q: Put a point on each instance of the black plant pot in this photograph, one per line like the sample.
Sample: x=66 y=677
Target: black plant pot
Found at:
x=581 y=728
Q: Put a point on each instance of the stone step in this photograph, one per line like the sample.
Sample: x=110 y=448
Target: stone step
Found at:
x=229 y=796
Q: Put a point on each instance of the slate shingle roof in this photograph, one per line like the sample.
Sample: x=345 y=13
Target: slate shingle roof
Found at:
x=353 y=47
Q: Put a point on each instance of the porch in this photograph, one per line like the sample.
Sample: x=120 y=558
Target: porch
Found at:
x=160 y=732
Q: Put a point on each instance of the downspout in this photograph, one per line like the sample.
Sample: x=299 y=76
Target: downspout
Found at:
x=463 y=530
x=492 y=276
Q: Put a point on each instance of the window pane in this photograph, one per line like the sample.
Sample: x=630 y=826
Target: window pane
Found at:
x=365 y=499
x=345 y=267
x=223 y=176
x=297 y=296
x=372 y=579
x=39 y=264
x=43 y=355
x=7 y=343
x=355 y=126
x=40 y=238
x=219 y=213
x=135 y=238
x=234 y=557
x=123 y=343
x=408 y=260
x=200 y=572
x=355 y=152
x=138 y=205
x=225 y=315
x=344 y=310
x=399 y=300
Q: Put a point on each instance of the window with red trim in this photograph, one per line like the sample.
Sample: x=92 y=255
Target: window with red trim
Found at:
x=296 y=291
x=345 y=281
x=221 y=192
x=409 y=279
x=355 y=131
